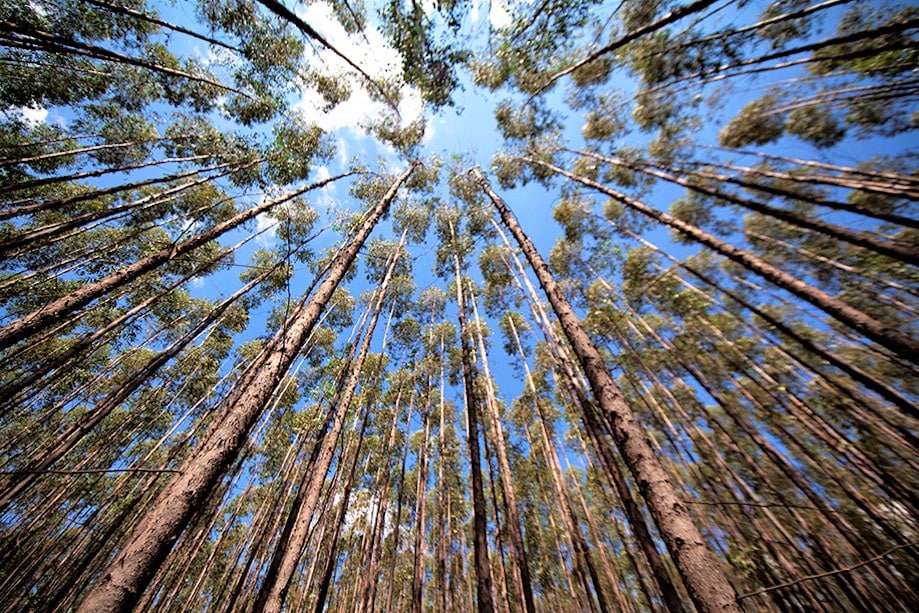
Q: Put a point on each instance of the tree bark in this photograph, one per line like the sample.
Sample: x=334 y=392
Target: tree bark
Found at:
x=702 y=573
x=121 y=584
x=480 y=526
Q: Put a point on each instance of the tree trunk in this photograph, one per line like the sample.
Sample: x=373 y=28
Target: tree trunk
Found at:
x=121 y=584
x=371 y=578
x=896 y=341
x=515 y=535
x=702 y=573
x=59 y=309
x=286 y=558
x=420 y=495
x=480 y=525
x=83 y=426
x=339 y=521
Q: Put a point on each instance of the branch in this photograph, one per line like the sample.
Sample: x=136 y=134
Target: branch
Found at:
x=667 y=19
x=38 y=40
x=284 y=13
x=829 y=573
x=123 y=10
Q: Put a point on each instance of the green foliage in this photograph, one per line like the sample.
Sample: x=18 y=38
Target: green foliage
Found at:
x=297 y=146
x=815 y=125
x=886 y=56
x=756 y=124
x=775 y=418
x=426 y=63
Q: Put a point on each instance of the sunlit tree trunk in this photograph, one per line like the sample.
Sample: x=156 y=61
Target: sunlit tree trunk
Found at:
x=121 y=584
x=702 y=573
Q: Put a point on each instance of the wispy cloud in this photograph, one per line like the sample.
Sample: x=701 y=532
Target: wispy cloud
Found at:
x=33 y=115
x=372 y=52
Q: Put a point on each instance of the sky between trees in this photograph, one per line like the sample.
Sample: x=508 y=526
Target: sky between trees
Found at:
x=557 y=306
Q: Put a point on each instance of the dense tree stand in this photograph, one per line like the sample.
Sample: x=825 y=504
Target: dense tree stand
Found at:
x=397 y=306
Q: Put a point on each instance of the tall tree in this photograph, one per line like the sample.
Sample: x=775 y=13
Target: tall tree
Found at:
x=123 y=582
x=705 y=580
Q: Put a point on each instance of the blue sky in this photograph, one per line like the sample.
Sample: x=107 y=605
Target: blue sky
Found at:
x=469 y=128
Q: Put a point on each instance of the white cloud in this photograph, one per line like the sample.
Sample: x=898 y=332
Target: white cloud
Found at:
x=326 y=194
x=266 y=228
x=32 y=115
x=498 y=16
x=373 y=54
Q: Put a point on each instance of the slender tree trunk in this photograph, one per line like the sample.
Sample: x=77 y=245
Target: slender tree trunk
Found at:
x=31 y=159
x=515 y=534
x=420 y=508
x=611 y=468
x=905 y=253
x=28 y=206
x=83 y=426
x=371 y=578
x=339 y=521
x=397 y=530
x=880 y=387
x=443 y=530
x=628 y=37
x=121 y=10
x=575 y=538
x=855 y=591
x=34 y=183
x=59 y=309
x=484 y=599
x=702 y=573
x=121 y=584
x=500 y=581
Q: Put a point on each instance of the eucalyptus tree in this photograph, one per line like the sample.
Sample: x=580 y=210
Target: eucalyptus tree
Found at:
x=455 y=248
x=151 y=540
x=496 y=432
x=755 y=372
x=701 y=571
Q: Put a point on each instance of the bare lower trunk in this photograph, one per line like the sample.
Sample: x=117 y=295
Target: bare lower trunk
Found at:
x=702 y=573
x=121 y=584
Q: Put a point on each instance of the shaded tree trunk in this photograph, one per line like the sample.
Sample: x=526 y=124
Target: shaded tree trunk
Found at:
x=480 y=526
